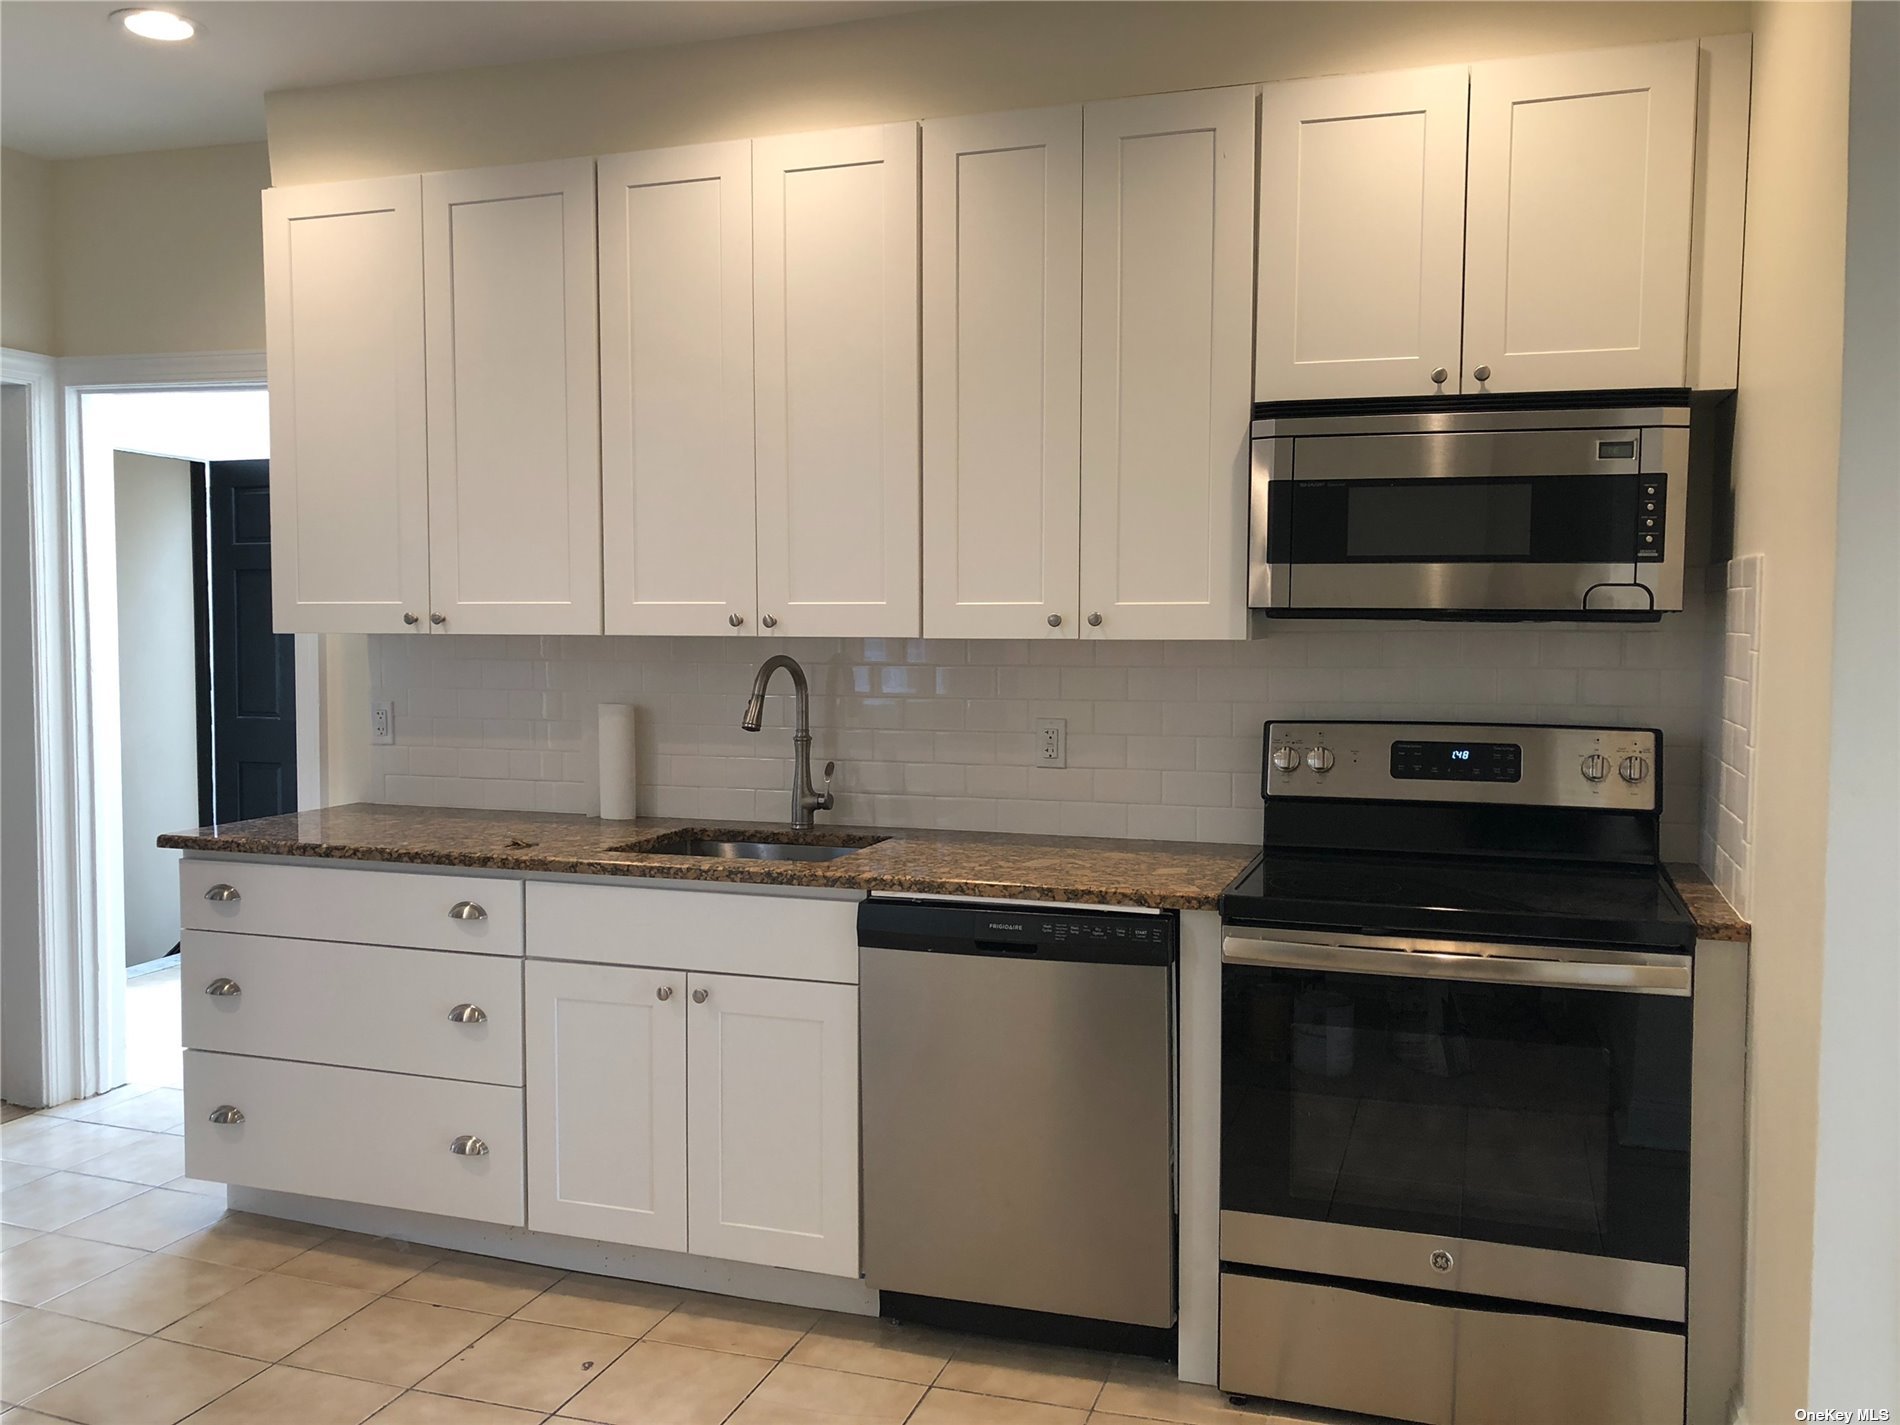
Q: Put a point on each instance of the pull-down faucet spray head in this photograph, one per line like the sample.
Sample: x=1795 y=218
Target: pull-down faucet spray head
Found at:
x=754 y=712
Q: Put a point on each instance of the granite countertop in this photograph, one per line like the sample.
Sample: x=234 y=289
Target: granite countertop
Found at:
x=1715 y=918
x=1162 y=875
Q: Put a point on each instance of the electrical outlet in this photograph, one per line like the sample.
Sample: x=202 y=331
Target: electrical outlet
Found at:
x=382 y=723
x=1052 y=742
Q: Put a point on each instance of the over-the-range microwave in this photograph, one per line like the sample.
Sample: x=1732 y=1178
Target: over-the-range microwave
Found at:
x=1504 y=507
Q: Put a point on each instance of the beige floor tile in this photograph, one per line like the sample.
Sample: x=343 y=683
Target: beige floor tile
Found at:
x=60 y=1198
x=158 y=1111
x=86 y=1107
x=11 y=1309
x=478 y=1284
x=153 y=1219
x=284 y=1394
x=956 y=1407
x=20 y=1415
x=38 y=1350
x=528 y=1365
x=268 y=1317
x=805 y=1395
x=151 y=1293
x=620 y=1308
x=376 y=1264
x=154 y=1162
x=416 y=1407
x=1150 y=1390
x=197 y=1185
x=872 y=1347
x=1049 y=1375
x=11 y=1236
x=61 y=1142
x=395 y=1342
x=726 y=1323
x=36 y=1271
x=242 y=1240
x=14 y=1175
x=657 y=1384
x=154 y=1383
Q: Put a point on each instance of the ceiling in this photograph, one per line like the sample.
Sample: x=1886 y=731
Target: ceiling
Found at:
x=73 y=84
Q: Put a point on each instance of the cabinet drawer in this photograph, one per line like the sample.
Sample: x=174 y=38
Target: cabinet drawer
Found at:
x=362 y=1006
x=474 y=913
x=383 y=1139
x=785 y=937
x=1559 y=1371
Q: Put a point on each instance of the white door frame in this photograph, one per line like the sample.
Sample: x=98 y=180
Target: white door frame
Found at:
x=82 y=1007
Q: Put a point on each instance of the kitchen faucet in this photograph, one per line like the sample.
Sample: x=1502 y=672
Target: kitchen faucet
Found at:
x=805 y=801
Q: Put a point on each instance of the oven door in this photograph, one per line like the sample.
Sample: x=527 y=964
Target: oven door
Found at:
x=1505 y=522
x=1505 y=1121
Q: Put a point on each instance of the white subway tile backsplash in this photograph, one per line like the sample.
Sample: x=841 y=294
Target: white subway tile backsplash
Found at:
x=1163 y=738
x=1732 y=692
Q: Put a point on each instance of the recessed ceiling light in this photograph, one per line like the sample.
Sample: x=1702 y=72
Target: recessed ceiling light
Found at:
x=156 y=25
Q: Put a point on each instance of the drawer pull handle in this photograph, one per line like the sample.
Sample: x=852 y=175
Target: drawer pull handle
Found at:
x=467 y=910
x=224 y=987
x=222 y=892
x=227 y=1114
x=468 y=1014
x=701 y=996
x=467 y=1145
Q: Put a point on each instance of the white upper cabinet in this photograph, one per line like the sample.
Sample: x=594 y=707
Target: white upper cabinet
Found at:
x=1167 y=346
x=514 y=399
x=349 y=456
x=1578 y=219
x=1002 y=374
x=1362 y=235
x=676 y=390
x=835 y=319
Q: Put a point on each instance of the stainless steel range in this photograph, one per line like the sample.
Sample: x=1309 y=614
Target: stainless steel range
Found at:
x=1463 y=1121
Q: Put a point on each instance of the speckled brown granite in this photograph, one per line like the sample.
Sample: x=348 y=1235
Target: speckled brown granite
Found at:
x=1165 y=875
x=1715 y=918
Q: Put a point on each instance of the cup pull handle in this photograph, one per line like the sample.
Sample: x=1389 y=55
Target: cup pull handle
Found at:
x=467 y=1145
x=224 y=987
x=222 y=892
x=227 y=1114
x=468 y=1014
x=467 y=910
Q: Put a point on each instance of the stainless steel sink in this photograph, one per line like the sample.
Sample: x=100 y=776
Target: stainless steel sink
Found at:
x=688 y=843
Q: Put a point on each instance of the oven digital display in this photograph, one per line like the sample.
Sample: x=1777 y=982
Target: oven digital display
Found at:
x=1457 y=761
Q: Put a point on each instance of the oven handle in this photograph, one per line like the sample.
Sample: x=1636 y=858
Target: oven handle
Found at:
x=1656 y=974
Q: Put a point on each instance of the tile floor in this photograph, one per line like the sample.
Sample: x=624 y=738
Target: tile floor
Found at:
x=129 y=1295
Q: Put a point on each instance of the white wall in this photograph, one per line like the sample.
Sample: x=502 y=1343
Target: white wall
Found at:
x=1854 y=1344
x=158 y=695
x=26 y=266
x=20 y=1070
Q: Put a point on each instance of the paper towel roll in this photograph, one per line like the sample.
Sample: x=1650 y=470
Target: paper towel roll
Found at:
x=616 y=762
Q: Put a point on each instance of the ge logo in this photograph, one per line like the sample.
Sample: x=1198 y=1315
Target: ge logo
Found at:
x=1441 y=1261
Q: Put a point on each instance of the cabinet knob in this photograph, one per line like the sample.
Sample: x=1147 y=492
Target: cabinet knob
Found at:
x=1095 y=620
x=735 y=619
x=1055 y=620
x=769 y=621
x=467 y=1145
x=663 y=993
x=1440 y=376
x=468 y=1014
x=227 y=1114
x=411 y=620
x=222 y=892
x=1482 y=373
x=438 y=618
x=701 y=996
x=224 y=987
x=467 y=910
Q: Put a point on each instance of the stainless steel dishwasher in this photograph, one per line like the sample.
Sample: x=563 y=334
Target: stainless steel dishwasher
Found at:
x=1018 y=1071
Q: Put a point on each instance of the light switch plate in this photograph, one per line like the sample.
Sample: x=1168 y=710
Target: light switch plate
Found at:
x=1052 y=742
x=382 y=723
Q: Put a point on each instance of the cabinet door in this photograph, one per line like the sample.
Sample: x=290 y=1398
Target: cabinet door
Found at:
x=1002 y=374
x=772 y=1075
x=835 y=312
x=1362 y=235
x=1577 y=229
x=349 y=454
x=514 y=399
x=676 y=390
x=1167 y=344
x=606 y=1070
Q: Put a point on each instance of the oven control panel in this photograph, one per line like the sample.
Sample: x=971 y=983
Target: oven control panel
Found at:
x=1612 y=768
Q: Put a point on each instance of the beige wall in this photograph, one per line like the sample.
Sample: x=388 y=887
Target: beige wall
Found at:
x=160 y=252
x=26 y=279
x=960 y=59
x=1787 y=449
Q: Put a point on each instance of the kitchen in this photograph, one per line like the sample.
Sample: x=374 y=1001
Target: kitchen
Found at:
x=942 y=762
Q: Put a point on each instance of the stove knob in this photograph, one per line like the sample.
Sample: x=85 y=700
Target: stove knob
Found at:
x=1286 y=757
x=1595 y=767
x=1634 y=769
x=1320 y=759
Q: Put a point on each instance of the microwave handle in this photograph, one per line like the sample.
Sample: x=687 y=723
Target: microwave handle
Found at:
x=1637 y=976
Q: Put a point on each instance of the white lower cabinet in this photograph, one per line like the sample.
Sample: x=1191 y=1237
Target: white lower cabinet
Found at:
x=607 y=1103
x=772 y=1122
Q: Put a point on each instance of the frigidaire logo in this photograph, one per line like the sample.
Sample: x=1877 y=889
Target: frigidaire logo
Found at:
x=1006 y=925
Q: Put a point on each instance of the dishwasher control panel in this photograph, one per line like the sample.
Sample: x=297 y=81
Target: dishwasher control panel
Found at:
x=947 y=927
